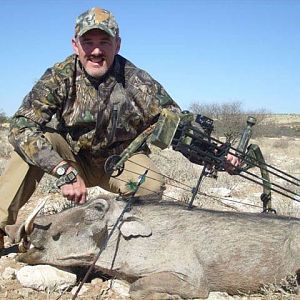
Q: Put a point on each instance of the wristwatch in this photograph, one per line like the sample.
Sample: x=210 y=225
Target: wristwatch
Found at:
x=62 y=170
x=67 y=178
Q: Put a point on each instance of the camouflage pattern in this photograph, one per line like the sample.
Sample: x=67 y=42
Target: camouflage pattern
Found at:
x=100 y=119
x=134 y=146
x=165 y=128
x=96 y=18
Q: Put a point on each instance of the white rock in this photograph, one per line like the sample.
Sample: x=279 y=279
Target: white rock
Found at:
x=120 y=287
x=83 y=289
x=9 y=273
x=12 y=255
x=225 y=296
x=45 y=278
x=219 y=296
x=97 y=281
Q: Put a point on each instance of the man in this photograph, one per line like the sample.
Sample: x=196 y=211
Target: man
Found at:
x=101 y=102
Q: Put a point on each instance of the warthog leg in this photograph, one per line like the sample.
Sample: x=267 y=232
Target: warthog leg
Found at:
x=167 y=285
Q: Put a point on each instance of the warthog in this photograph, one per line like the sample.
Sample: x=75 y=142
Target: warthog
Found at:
x=164 y=249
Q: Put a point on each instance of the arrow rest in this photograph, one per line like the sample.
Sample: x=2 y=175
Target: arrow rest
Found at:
x=111 y=168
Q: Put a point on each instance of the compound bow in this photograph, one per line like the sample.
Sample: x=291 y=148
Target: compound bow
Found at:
x=190 y=134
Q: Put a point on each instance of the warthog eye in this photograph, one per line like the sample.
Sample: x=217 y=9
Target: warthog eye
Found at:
x=56 y=237
x=99 y=207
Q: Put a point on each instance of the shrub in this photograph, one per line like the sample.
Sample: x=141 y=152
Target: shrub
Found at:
x=229 y=118
x=3 y=117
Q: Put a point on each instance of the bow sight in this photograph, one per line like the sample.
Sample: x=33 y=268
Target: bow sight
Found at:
x=190 y=134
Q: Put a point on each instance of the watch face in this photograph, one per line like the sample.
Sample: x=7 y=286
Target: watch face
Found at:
x=60 y=171
x=70 y=177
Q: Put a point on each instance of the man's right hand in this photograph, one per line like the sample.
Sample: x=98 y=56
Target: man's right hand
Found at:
x=74 y=191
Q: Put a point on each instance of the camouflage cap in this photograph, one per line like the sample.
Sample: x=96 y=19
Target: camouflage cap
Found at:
x=96 y=18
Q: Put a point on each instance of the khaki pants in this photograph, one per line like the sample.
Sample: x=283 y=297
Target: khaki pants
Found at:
x=19 y=179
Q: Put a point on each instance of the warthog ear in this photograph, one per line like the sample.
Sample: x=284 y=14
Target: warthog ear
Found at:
x=132 y=226
x=15 y=232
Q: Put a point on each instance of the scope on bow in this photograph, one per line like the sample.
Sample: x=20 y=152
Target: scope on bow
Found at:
x=189 y=134
x=192 y=138
x=170 y=125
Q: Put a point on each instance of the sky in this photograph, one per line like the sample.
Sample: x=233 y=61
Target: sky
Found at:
x=201 y=51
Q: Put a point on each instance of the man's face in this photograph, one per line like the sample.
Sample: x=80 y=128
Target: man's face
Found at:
x=96 y=51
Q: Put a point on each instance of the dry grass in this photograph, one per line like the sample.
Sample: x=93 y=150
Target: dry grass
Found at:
x=285 y=290
x=282 y=119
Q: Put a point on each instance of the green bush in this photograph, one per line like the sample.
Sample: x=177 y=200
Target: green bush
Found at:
x=3 y=117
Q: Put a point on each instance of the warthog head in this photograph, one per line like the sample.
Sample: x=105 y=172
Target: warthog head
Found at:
x=74 y=236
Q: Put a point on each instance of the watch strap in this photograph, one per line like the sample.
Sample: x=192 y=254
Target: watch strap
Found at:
x=67 y=178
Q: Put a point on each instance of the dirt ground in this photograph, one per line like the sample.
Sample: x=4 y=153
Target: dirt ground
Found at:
x=283 y=154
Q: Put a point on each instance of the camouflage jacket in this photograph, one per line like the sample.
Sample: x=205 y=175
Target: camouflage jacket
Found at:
x=98 y=117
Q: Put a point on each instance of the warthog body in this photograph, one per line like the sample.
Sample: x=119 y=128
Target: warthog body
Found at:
x=165 y=249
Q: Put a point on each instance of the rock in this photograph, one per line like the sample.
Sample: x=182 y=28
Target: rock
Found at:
x=45 y=278
x=120 y=287
x=12 y=255
x=219 y=296
x=9 y=273
x=97 y=281
x=225 y=296
x=83 y=289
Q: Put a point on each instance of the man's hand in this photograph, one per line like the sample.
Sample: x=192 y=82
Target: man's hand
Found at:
x=231 y=163
x=74 y=191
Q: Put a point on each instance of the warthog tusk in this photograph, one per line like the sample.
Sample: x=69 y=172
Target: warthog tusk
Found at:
x=24 y=245
x=32 y=216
